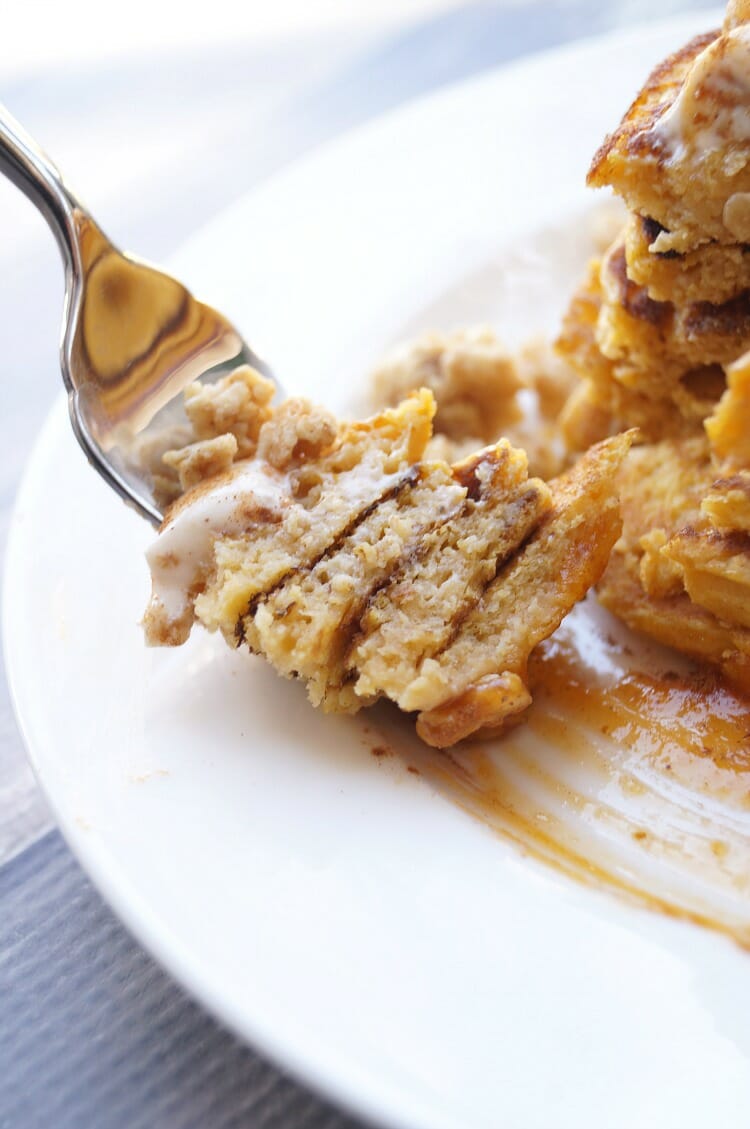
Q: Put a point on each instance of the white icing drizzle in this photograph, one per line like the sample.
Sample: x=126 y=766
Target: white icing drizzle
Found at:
x=183 y=548
x=713 y=106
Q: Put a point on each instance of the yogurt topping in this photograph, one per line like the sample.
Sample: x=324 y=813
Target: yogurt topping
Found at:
x=182 y=550
x=713 y=106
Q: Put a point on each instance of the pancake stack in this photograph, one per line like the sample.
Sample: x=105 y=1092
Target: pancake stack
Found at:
x=667 y=308
x=658 y=333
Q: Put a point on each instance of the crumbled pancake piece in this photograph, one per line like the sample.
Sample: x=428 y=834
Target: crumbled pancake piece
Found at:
x=149 y=452
x=727 y=503
x=235 y=413
x=229 y=411
x=539 y=437
x=681 y=569
x=201 y=460
x=422 y=605
x=543 y=370
x=714 y=272
x=587 y=417
x=472 y=376
x=728 y=428
x=675 y=621
x=715 y=568
x=589 y=412
x=546 y=451
x=659 y=575
x=483 y=393
x=524 y=604
x=238 y=404
x=297 y=432
x=662 y=486
x=681 y=154
x=488 y=708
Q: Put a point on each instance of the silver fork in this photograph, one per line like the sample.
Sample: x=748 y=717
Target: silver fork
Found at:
x=133 y=337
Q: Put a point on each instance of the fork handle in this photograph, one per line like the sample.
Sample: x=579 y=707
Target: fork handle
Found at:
x=31 y=170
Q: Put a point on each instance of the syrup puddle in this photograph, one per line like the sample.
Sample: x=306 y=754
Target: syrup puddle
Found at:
x=630 y=772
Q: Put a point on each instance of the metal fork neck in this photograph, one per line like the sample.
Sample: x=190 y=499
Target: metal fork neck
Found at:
x=31 y=170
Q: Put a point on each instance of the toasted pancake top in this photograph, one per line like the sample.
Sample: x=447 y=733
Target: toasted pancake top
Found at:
x=635 y=136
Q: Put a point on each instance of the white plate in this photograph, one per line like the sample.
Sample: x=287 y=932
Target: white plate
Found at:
x=331 y=907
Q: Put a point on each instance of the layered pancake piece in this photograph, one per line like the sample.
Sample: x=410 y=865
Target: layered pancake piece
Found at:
x=472 y=376
x=479 y=679
x=304 y=625
x=395 y=589
x=483 y=393
x=426 y=601
x=350 y=561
